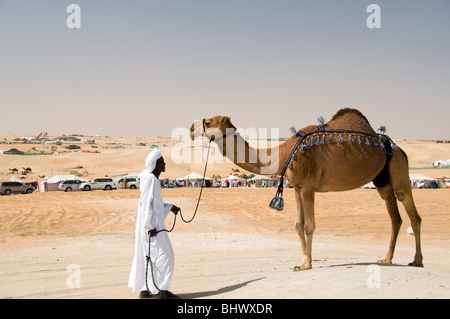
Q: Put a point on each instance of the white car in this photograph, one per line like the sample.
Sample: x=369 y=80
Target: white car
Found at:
x=132 y=182
x=70 y=185
x=104 y=183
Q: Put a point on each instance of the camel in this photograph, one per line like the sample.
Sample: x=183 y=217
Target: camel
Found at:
x=327 y=163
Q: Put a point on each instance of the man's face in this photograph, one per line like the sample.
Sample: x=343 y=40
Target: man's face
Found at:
x=160 y=164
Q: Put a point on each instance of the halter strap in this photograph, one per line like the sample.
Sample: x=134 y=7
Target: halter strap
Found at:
x=233 y=132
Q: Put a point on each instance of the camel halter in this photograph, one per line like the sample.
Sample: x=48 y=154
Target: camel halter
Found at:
x=378 y=140
x=229 y=133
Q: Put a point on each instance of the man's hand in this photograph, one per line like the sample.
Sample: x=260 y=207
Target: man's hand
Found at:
x=175 y=209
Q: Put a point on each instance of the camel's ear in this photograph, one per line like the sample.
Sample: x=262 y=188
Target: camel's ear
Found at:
x=224 y=119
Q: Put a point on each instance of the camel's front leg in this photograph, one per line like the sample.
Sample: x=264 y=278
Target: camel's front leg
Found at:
x=305 y=225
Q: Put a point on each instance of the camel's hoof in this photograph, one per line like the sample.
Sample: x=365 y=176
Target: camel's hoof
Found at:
x=302 y=267
x=416 y=264
x=384 y=261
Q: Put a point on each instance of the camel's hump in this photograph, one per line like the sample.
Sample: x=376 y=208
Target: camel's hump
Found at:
x=346 y=111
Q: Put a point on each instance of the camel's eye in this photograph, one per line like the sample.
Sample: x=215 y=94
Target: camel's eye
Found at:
x=208 y=124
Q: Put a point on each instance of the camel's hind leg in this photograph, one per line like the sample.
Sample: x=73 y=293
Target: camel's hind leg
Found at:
x=387 y=193
x=398 y=171
x=305 y=225
x=405 y=196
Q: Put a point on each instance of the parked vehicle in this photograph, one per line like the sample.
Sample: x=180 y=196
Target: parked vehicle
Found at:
x=104 y=183
x=70 y=185
x=8 y=188
x=132 y=182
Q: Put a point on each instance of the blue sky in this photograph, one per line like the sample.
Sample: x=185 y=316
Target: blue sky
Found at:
x=144 y=68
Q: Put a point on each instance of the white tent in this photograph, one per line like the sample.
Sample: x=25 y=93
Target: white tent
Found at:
x=261 y=178
x=195 y=177
x=369 y=185
x=58 y=178
x=52 y=182
x=232 y=178
x=442 y=163
x=15 y=179
x=233 y=181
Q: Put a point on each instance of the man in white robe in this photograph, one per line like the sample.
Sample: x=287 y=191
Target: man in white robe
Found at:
x=149 y=222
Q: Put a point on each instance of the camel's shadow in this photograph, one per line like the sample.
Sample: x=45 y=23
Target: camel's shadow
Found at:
x=218 y=291
x=364 y=264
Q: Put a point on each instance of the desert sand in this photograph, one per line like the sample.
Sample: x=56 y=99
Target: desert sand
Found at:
x=236 y=247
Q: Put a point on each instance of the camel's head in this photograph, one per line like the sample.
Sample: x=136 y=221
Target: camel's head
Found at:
x=213 y=128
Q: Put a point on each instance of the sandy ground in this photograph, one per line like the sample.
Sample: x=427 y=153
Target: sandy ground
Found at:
x=80 y=244
x=231 y=250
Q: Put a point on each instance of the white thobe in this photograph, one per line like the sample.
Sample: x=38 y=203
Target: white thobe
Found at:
x=151 y=214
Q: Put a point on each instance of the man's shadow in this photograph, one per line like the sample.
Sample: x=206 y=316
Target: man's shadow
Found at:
x=218 y=291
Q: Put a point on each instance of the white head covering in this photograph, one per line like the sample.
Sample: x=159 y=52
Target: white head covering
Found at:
x=145 y=175
x=151 y=159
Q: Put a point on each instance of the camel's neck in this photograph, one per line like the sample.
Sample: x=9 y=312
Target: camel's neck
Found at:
x=263 y=161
